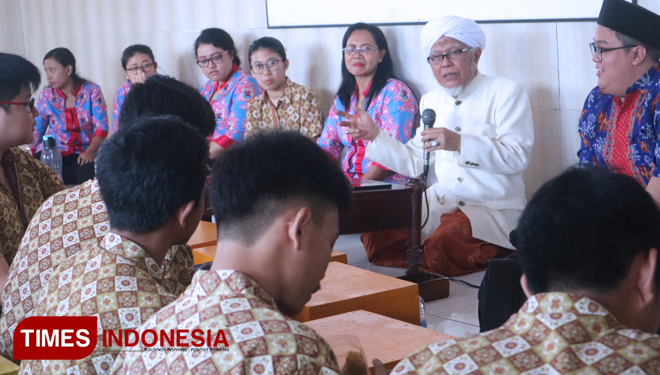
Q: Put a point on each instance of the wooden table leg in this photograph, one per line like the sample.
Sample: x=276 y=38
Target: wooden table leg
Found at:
x=414 y=249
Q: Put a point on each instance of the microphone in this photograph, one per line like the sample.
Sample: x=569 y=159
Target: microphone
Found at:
x=428 y=118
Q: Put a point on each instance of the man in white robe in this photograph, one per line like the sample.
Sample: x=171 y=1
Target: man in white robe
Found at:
x=480 y=146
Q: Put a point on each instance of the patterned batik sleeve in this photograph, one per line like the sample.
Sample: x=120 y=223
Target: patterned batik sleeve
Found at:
x=656 y=126
x=99 y=113
x=43 y=121
x=398 y=116
x=247 y=90
x=119 y=100
x=587 y=131
x=310 y=114
x=330 y=140
x=49 y=183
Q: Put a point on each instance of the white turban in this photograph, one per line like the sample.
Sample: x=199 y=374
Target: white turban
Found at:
x=461 y=29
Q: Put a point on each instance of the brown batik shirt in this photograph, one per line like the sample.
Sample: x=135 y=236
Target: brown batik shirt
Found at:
x=67 y=223
x=115 y=281
x=30 y=183
x=298 y=110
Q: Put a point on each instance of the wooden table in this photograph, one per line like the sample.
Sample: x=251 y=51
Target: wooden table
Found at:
x=207 y=253
x=8 y=367
x=206 y=234
x=346 y=288
x=387 y=209
x=381 y=337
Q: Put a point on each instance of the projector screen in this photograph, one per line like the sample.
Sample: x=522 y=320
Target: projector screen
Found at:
x=308 y=13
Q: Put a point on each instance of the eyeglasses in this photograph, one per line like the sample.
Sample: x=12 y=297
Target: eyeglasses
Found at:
x=451 y=56
x=261 y=68
x=598 y=51
x=29 y=104
x=364 y=50
x=217 y=59
x=145 y=68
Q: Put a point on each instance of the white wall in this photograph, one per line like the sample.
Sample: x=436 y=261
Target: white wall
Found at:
x=550 y=59
x=11 y=27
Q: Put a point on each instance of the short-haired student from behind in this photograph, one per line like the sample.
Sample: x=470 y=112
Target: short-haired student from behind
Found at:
x=588 y=242
x=163 y=95
x=275 y=238
x=24 y=181
x=284 y=104
x=86 y=215
x=154 y=199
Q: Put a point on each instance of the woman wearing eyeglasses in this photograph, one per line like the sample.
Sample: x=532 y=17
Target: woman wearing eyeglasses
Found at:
x=139 y=64
x=229 y=87
x=284 y=104
x=368 y=82
x=73 y=110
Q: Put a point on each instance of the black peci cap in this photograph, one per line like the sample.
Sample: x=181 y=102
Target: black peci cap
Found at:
x=631 y=20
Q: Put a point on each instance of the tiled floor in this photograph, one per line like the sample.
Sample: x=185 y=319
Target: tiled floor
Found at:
x=455 y=315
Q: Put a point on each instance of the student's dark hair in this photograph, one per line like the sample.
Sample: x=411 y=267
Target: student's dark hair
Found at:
x=16 y=73
x=384 y=71
x=255 y=181
x=148 y=171
x=652 y=52
x=65 y=58
x=267 y=42
x=582 y=230
x=219 y=39
x=131 y=51
x=163 y=95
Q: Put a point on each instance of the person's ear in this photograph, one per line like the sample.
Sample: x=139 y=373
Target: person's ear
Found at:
x=639 y=54
x=297 y=226
x=477 y=54
x=155 y=66
x=69 y=70
x=646 y=277
x=525 y=286
x=381 y=54
x=286 y=65
x=184 y=212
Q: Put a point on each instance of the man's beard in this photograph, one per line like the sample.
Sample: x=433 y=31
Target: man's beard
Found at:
x=453 y=91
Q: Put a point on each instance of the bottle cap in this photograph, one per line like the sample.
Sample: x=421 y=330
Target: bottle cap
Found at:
x=49 y=141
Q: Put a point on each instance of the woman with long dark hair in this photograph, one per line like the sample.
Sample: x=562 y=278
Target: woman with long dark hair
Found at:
x=73 y=110
x=228 y=89
x=368 y=82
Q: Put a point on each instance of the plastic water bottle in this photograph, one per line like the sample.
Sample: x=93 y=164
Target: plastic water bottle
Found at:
x=51 y=155
x=422 y=312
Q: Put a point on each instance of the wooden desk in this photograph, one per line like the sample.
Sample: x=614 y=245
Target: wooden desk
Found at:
x=206 y=234
x=8 y=367
x=346 y=288
x=387 y=209
x=381 y=337
x=207 y=253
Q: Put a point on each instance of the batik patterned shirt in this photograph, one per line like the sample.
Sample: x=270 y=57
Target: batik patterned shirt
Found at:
x=73 y=128
x=115 y=281
x=623 y=135
x=67 y=223
x=297 y=110
x=553 y=333
x=120 y=96
x=30 y=183
x=230 y=106
x=261 y=339
x=393 y=110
